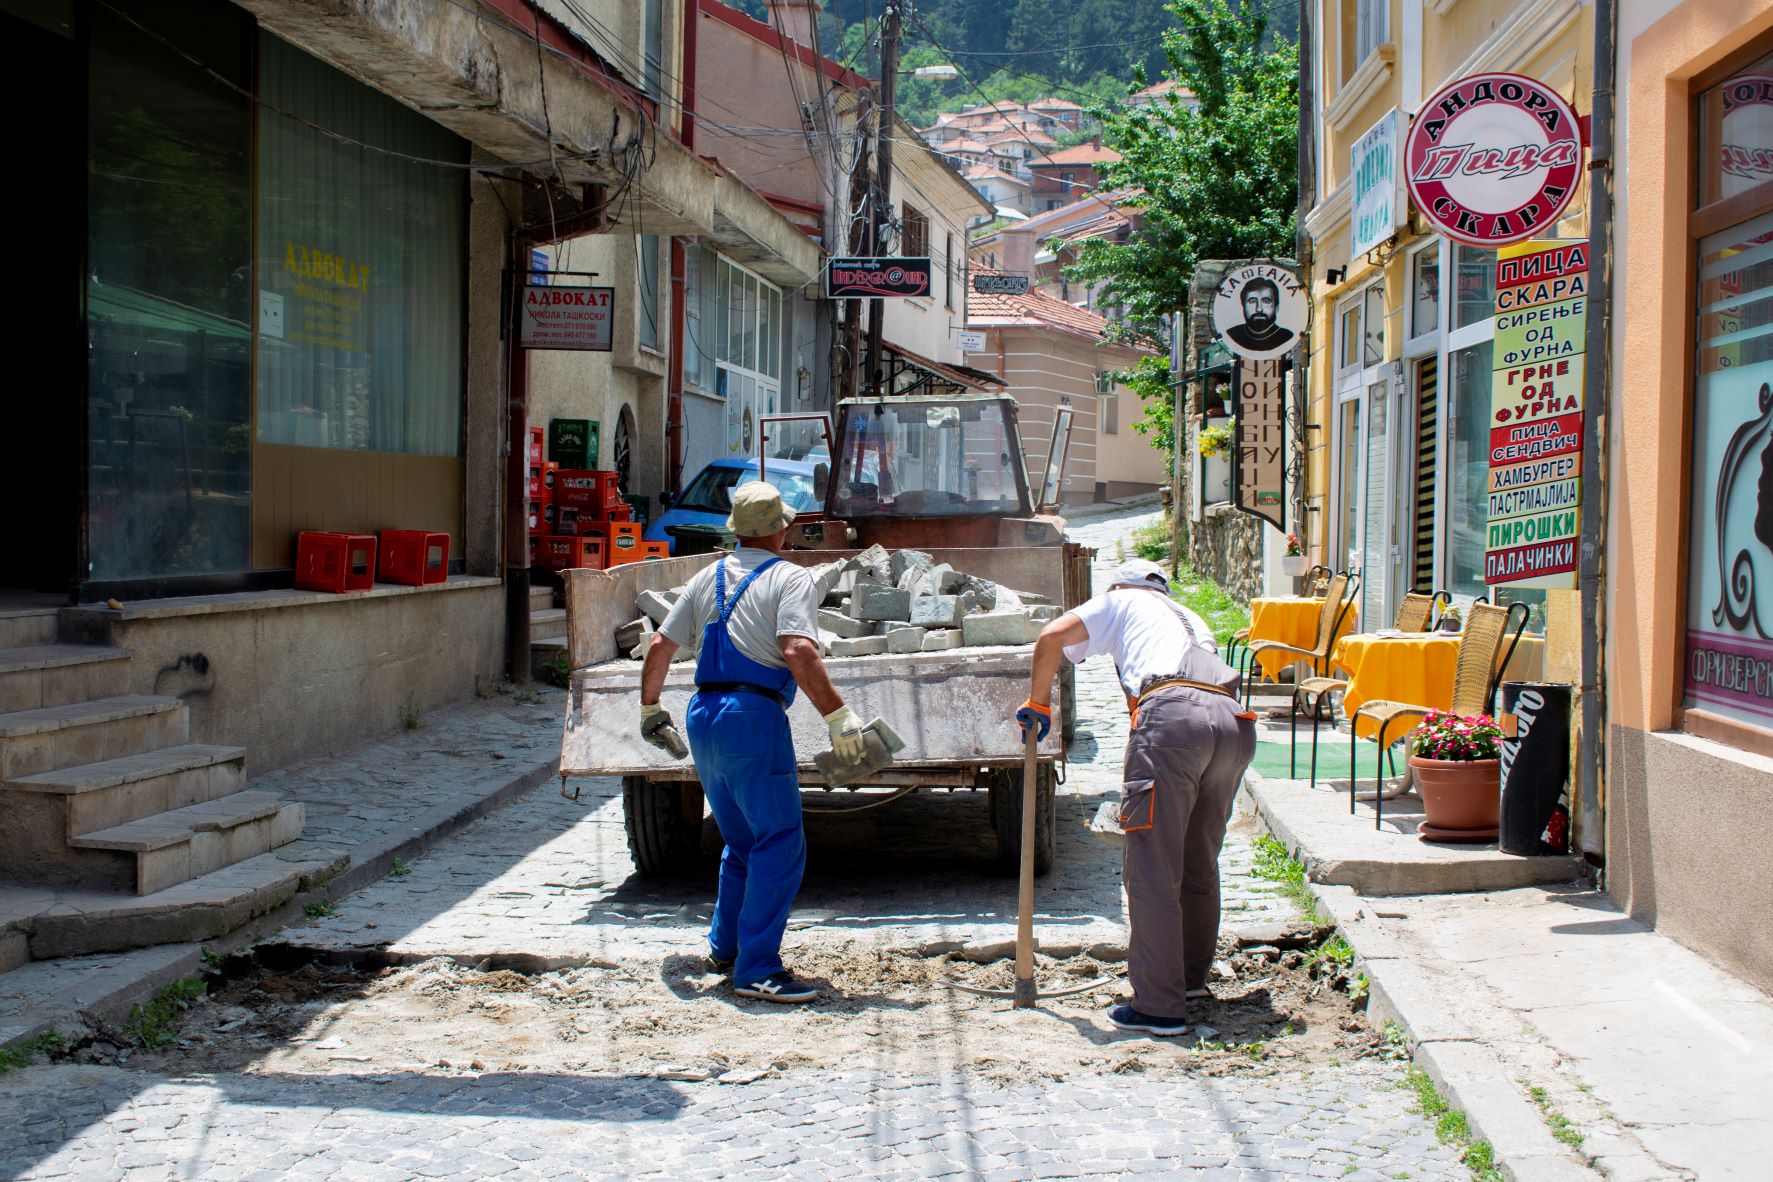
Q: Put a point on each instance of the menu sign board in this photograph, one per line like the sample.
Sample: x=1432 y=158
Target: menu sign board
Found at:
x=1535 y=488
x=1260 y=464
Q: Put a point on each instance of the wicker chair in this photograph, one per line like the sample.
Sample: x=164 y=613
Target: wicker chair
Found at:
x=1419 y=612
x=1337 y=602
x=1481 y=661
x=1241 y=638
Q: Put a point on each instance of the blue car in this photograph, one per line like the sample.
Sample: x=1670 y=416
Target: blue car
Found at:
x=707 y=499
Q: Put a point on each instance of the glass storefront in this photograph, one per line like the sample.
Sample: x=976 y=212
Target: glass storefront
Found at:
x=360 y=277
x=343 y=333
x=168 y=291
x=1728 y=646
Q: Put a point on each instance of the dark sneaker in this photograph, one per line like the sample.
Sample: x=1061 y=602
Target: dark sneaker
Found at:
x=1202 y=994
x=715 y=963
x=1127 y=1018
x=778 y=987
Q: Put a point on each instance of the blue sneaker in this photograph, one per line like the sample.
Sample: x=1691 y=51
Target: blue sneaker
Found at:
x=778 y=987
x=1127 y=1018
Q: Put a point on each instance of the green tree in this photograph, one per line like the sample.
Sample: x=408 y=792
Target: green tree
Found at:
x=1220 y=181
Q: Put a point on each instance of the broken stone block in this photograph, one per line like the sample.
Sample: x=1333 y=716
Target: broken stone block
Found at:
x=937 y=611
x=941 y=579
x=905 y=560
x=941 y=640
x=656 y=604
x=1042 y=613
x=634 y=633
x=981 y=593
x=841 y=625
x=880 y=603
x=998 y=627
x=905 y=640
x=888 y=627
x=826 y=577
x=860 y=646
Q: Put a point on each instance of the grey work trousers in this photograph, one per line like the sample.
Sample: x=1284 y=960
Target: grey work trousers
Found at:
x=1185 y=759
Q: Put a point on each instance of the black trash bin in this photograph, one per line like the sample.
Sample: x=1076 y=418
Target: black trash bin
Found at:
x=699 y=539
x=1536 y=769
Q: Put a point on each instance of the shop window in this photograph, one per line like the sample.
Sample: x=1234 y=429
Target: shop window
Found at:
x=1475 y=301
x=1468 y=469
x=360 y=277
x=1736 y=133
x=169 y=299
x=1349 y=349
x=1729 y=652
x=1373 y=328
x=741 y=316
x=1425 y=291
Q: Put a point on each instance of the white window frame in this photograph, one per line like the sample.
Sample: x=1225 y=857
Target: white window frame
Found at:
x=1372 y=28
x=1352 y=384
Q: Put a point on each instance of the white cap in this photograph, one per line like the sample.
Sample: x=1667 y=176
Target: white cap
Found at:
x=1140 y=572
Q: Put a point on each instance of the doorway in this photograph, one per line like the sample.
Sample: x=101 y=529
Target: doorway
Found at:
x=41 y=479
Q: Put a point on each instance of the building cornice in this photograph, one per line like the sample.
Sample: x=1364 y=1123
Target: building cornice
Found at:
x=1533 y=25
x=1374 y=73
x=1332 y=211
x=1441 y=7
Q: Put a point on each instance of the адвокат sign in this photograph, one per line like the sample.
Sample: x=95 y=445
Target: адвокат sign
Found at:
x=1494 y=158
x=568 y=317
x=874 y=278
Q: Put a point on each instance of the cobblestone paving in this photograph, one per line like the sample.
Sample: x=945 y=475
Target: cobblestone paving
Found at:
x=547 y=876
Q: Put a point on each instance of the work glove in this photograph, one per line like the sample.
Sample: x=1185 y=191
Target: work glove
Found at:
x=657 y=728
x=846 y=734
x=1032 y=716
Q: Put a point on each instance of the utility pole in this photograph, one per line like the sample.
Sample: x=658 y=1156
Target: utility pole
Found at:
x=880 y=207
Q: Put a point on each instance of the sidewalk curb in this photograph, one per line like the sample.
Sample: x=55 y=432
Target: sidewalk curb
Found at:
x=1465 y=1070
x=140 y=972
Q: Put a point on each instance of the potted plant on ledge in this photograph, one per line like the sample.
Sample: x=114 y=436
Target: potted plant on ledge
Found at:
x=1451 y=618
x=1456 y=759
x=1215 y=448
x=1293 y=562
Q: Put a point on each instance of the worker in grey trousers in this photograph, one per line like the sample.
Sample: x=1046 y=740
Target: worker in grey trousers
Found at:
x=1190 y=744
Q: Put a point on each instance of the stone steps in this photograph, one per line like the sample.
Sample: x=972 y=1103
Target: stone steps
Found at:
x=185 y=843
x=541 y=597
x=27 y=626
x=547 y=624
x=112 y=792
x=54 y=737
x=544 y=652
x=33 y=676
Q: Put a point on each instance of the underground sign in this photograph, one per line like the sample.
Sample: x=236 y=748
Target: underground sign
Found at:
x=1494 y=158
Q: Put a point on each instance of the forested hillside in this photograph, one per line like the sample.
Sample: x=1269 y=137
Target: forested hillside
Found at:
x=1084 y=50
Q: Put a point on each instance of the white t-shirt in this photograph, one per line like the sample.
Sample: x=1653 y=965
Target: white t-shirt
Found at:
x=780 y=603
x=1141 y=630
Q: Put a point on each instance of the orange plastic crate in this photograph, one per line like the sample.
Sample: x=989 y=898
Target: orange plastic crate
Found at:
x=653 y=551
x=413 y=557
x=562 y=553
x=336 y=562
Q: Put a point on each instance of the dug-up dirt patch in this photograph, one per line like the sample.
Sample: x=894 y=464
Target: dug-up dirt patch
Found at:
x=882 y=1009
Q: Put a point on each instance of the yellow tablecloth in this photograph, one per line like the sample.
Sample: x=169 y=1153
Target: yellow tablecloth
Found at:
x=1415 y=668
x=1290 y=619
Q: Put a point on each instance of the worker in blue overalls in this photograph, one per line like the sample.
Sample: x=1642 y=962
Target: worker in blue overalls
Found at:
x=756 y=620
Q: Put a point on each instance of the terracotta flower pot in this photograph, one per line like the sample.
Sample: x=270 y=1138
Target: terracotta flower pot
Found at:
x=1461 y=797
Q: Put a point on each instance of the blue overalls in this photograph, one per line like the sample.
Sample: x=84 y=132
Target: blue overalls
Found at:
x=744 y=753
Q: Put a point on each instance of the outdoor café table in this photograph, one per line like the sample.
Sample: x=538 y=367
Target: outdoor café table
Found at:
x=1290 y=619
x=1413 y=667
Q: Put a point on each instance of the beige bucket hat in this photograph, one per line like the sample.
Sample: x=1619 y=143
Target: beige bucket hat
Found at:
x=758 y=511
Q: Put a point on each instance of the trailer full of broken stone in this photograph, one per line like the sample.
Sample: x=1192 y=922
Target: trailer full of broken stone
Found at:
x=936 y=643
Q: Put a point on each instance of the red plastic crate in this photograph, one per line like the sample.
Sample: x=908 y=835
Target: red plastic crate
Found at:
x=588 y=488
x=413 y=557
x=336 y=562
x=534 y=549
x=538 y=444
x=538 y=488
x=549 y=471
x=622 y=512
x=537 y=517
x=562 y=553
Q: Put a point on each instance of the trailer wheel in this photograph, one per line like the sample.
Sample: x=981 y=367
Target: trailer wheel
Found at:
x=1005 y=796
x=664 y=823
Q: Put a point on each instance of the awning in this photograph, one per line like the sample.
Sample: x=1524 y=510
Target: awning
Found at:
x=913 y=373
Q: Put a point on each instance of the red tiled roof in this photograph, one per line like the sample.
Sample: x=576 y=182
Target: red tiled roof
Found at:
x=1163 y=88
x=1054 y=104
x=1080 y=154
x=1032 y=310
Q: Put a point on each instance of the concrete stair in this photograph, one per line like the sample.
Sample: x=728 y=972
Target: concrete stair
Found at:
x=547 y=629
x=106 y=794
x=185 y=843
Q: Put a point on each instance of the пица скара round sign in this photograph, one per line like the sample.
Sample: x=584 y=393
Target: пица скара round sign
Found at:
x=1493 y=158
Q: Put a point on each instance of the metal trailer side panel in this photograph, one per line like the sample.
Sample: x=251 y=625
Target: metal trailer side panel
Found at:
x=955 y=707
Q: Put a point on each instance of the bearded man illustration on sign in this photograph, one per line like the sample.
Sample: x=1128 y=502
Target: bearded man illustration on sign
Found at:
x=1260 y=333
